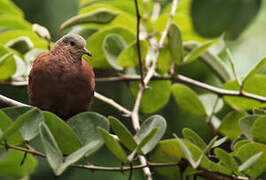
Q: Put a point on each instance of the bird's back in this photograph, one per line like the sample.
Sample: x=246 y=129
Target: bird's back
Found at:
x=61 y=84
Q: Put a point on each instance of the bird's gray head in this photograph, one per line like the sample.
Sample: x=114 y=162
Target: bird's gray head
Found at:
x=74 y=44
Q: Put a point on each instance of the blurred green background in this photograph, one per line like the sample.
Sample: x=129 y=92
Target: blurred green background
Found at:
x=247 y=50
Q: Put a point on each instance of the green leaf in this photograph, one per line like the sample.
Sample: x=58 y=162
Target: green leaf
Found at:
x=230 y=124
x=198 y=51
x=209 y=19
x=258 y=130
x=175 y=43
x=86 y=150
x=30 y=128
x=99 y=59
x=257 y=68
x=250 y=162
x=209 y=101
x=113 y=145
x=147 y=126
x=226 y=159
x=14 y=127
x=255 y=85
x=7 y=66
x=5 y=123
x=194 y=138
x=52 y=150
x=41 y=31
x=8 y=7
x=113 y=45
x=21 y=44
x=187 y=99
x=99 y=16
x=248 y=150
x=15 y=112
x=10 y=21
x=147 y=139
x=246 y=123
x=164 y=60
x=129 y=57
x=85 y=126
x=61 y=131
x=155 y=97
x=37 y=41
x=85 y=32
x=123 y=133
x=170 y=151
x=10 y=166
x=214 y=62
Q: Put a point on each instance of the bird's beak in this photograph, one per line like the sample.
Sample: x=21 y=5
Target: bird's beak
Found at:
x=86 y=51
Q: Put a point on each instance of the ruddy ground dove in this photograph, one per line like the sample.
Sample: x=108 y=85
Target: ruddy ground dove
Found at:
x=61 y=81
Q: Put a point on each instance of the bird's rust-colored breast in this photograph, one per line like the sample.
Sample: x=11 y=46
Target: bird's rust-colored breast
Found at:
x=61 y=84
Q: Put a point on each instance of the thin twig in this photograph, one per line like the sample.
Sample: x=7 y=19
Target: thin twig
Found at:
x=112 y=103
x=138 y=42
x=231 y=60
x=10 y=102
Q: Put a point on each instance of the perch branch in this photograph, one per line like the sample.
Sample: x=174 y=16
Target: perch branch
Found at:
x=10 y=102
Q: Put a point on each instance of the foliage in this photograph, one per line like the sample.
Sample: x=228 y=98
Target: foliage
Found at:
x=109 y=28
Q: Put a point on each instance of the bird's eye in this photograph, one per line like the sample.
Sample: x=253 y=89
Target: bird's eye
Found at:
x=72 y=43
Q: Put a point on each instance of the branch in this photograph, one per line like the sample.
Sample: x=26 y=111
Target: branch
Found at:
x=10 y=102
x=138 y=42
x=112 y=103
x=204 y=172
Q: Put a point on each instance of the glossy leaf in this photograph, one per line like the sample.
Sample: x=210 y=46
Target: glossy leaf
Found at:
x=258 y=130
x=30 y=129
x=250 y=162
x=113 y=45
x=129 y=57
x=123 y=133
x=99 y=59
x=246 y=123
x=175 y=43
x=155 y=97
x=147 y=126
x=85 y=126
x=99 y=16
x=170 y=151
x=5 y=123
x=15 y=112
x=86 y=150
x=21 y=44
x=214 y=62
x=147 y=139
x=226 y=159
x=246 y=151
x=113 y=145
x=41 y=31
x=255 y=85
x=11 y=21
x=8 y=7
x=198 y=51
x=60 y=132
x=194 y=138
x=257 y=68
x=10 y=166
x=14 y=127
x=209 y=101
x=52 y=150
x=187 y=99
x=230 y=124
x=209 y=18
x=7 y=66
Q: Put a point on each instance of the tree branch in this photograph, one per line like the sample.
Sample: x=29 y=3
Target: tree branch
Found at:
x=10 y=102
x=112 y=103
x=138 y=42
x=204 y=172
